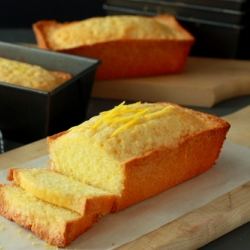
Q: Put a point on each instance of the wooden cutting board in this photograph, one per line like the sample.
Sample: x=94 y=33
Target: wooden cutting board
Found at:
x=194 y=229
x=213 y=220
x=204 y=83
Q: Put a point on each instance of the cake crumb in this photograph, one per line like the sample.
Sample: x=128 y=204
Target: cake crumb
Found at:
x=19 y=232
x=35 y=243
x=30 y=236
x=50 y=246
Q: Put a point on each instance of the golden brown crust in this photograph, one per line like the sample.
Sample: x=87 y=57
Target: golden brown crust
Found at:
x=55 y=136
x=38 y=29
x=177 y=27
x=172 y=60
x=62 y=237
x=63 y=75
x=132 y=57
x=163 y=168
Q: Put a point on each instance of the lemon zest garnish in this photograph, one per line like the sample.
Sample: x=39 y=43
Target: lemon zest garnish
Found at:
x=128 y=117
x=157 y=113
x=119 y=106
x=113 y=116
x=124 y=116
x=2 y=228
x=132 y=121
x=107 y=115
x=125 y=126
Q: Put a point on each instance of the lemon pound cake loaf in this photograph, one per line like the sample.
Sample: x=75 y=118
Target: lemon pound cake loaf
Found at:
x=55 y=225
x=31 y=76
x=139 y=150
x=62 y=191
x=127 y=45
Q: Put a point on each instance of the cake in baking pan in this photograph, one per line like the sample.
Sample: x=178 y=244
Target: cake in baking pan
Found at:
x=31 y=76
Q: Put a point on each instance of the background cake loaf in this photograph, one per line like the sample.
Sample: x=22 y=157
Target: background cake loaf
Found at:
x=139 y=150
x=128 y=46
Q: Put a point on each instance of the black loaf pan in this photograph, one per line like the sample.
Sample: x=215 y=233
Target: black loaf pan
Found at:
x=26 y=114
x=185 y=10
x=213 y=39
x=234 y=5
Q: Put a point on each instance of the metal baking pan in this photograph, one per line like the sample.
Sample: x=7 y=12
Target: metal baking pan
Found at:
x=28 y=114
x=236 y=5
x=185 y=10
x=211 y=37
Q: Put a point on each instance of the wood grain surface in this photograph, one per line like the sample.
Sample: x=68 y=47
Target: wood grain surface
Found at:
x=204 y=83
x=23 y=154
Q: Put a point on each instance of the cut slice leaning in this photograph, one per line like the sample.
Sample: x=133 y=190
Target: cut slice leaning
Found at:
x=62 y=190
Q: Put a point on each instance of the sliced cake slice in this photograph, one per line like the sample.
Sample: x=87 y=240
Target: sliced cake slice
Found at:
x=55 y=225
x=63 y=191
